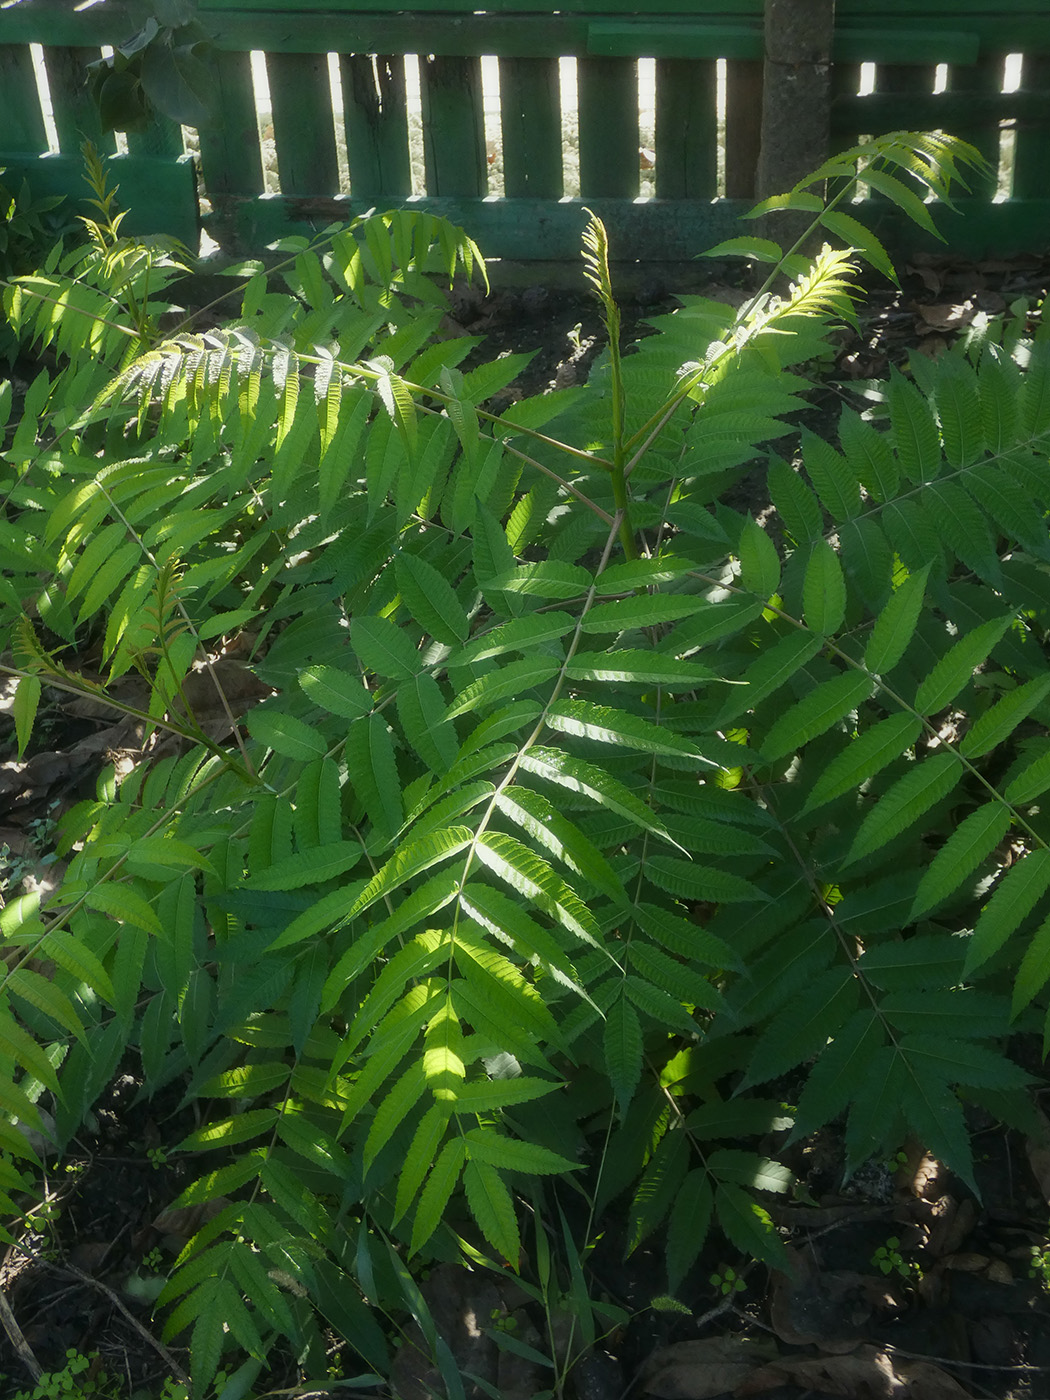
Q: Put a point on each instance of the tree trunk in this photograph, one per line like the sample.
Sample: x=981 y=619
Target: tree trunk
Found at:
x=796 y=100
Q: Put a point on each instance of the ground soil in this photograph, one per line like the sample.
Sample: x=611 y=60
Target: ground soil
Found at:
x=905 y=1286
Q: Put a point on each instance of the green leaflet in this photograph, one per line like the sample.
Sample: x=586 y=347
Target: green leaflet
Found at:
x=436 y=1193
x=795 y=502
x=531 y=876
x=895 y=625
x=421 y=708
x=592 y=782
x=927 y=783
x=41 y=993
x=965 y=528
x=604 y=725
x=285 y=734
x=1032 y=780
x=759 y=561
x=637 y=668
x=547 y=827
x=1016 y=895
x=511 y=679
x=335 y=691
x=520 y=634
x=824 y=590
x=817 y=712
x=515 y=1155
x=640 y=610
x=863 y=757
x=503 y=917
x=747 y=1225
x=805 y=1026
x=689 y=940
x=409 y=861
x=372 y=769
x=622 y=1040
x=764 y=677
x=383 y=648
x=914 y=429
x=925 y=960
x=1034 y=971
x=431 y=599
x=308 y=867
x=961 y=1062
x=423 y=1150
x=691 y=880
x=968 y=845
x=491 y=1206
x=830 y=473
x=998 y=723
x=833 y=1080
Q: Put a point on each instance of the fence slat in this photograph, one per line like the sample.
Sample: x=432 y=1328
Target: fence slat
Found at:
x=530 y=114
x=1032 y=151
x=686 y=129
x=21 y=119
x=75 y=111
x=983 y=80
x=453 y=125
x=230 y=154
x=607 y=93
x=375 y=112
x=303 y=126
x=743 y=126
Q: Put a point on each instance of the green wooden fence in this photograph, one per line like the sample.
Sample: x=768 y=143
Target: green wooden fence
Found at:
x=938 y=64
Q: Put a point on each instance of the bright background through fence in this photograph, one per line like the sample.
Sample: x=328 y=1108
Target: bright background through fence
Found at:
x=508 y=120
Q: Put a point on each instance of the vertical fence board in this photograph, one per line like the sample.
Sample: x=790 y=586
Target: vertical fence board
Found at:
x=21 y=119
x=686 y=128
x=1032 y=152
x=303 y=126
x=230 y=154
x=743 y=126
x=453 y=126
x=75 y=111
x=530 y=117
x=984 y=79
x=846 y=106
x=376 y=120
x=607 y=91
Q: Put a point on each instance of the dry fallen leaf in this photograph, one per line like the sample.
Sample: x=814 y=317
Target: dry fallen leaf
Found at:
x=701 y=1370
x=944 y=316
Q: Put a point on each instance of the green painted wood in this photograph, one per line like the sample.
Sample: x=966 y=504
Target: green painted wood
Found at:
x=656 y=38
x=530 y=118
x=1032 y=152
x=686 y=129
x=942 y=10
x=979 y=88
x=230 y=154
x=650 y=231
x=303 y=126
x=743 y=126
x=453 y=126
x=21 y=118
x=75 y=111
x=376 y=123
x=607 y=94
x=847 y=124
x=326 y=26
x=160 y=196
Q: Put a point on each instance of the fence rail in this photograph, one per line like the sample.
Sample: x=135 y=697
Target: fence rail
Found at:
x=483 y=123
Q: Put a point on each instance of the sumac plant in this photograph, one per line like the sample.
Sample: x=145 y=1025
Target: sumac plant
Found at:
x=585 y=818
